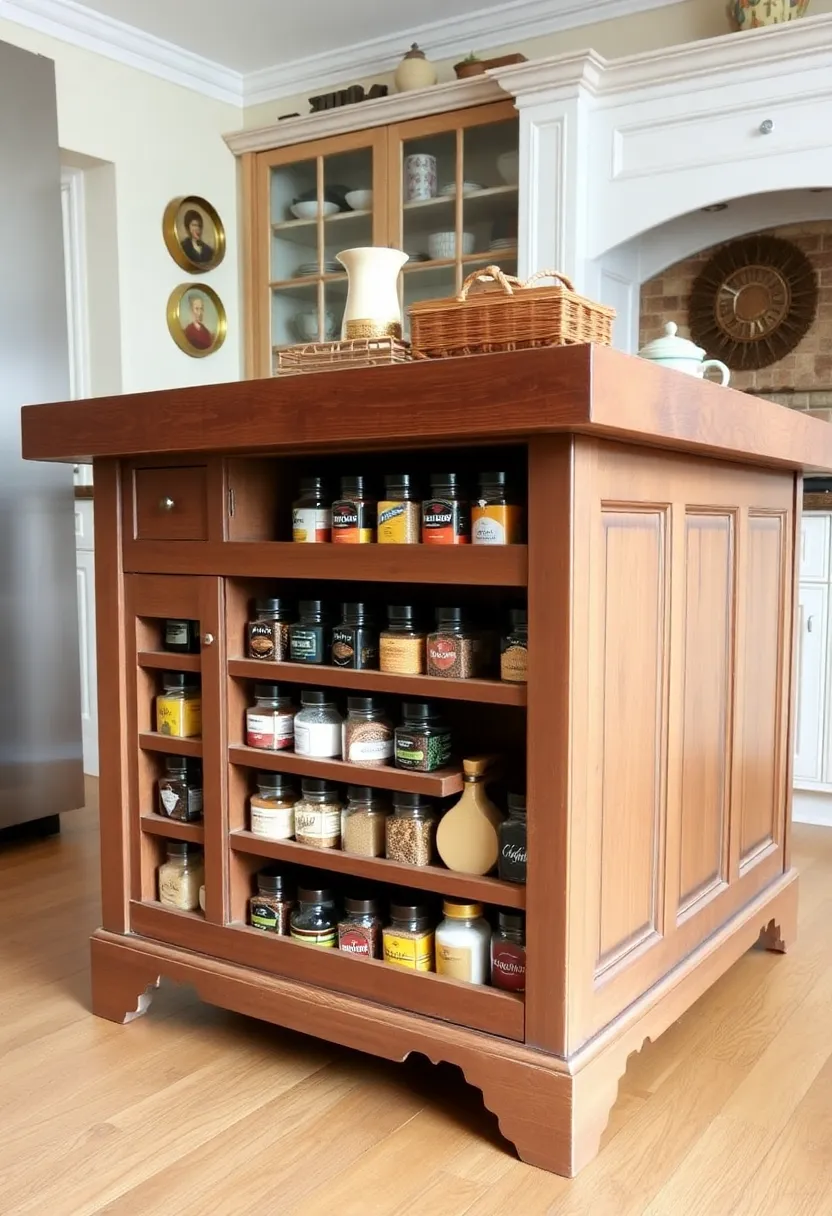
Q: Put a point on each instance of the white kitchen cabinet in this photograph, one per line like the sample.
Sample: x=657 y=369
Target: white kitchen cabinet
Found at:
x=85 y=577
x=814 y=548
x=812 y=636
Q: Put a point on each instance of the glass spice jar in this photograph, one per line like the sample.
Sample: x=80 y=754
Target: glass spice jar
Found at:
x=318 y=726
x=309 y=640
x=362 y=822
x=423 y=741
x=360 y=930
x=399 y=512
x=181 y=876
x=410 y=835
x=402 y=644
x=271 y=908
x=318 y=814
x=453 y=649
x=180 y=789
x=272 y=808
x=463 y=943
x=514 y=648
x=446 y=518
x=355 y=639
x=268 y=632
x=367 y=735
x=511 y=860
x=181 y=637
x=494 y=519
x=508 y=952
x=314 y=920
x=408 y=939
x=353 y=514
x=311 y=514
x=270 y=721
x=179 y=705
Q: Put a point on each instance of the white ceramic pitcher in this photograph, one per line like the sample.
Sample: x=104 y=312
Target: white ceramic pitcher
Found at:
x=684 y=356
x=372 y=309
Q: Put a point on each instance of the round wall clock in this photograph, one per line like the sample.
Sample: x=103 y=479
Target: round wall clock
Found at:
x=753 y=302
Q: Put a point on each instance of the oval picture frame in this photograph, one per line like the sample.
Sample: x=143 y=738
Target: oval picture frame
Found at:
x=183 y=242
x=196 y=319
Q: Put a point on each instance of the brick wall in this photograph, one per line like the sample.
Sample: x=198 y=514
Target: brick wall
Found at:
x=803 y=378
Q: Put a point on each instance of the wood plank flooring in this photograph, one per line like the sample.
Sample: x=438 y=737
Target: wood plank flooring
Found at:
x=193 y=1110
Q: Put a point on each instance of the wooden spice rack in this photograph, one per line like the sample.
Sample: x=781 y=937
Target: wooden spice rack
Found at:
x=659 y=578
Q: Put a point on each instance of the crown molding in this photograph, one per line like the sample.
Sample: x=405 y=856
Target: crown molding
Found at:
x=92 y=31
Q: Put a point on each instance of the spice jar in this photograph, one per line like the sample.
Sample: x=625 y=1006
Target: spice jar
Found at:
x=318 y=726
x=311 y=514
x=353 y=514
x=463 y=943
x=181 y=876
x=360 y=930
x=494 y=519
x=314 y=920
x=309 y=635
x=411 y=830
x=179 y=705
x=272 y=808
x=453 y=649
x=355 y=639
x=268 y=632
x=446 y=518
x=270 y=721
x=423 y=741
x=514 y=648
x=408 y=939
x=367 y=733
x=508 y=952
x=181 y=637
x=180 y=789
x=511 y=860
x=362 y=822
x=399 y=512
x=402 y=644
x=318 y=814
x=271 y=908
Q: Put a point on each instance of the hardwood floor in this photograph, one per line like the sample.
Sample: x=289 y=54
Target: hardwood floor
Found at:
x=192 y=1110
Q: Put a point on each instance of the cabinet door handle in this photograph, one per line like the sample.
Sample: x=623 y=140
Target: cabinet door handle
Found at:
x=166 y=504
x=207 y=639
x=809 y=620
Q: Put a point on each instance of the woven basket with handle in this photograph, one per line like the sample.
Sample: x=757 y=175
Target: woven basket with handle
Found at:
x=501 y=313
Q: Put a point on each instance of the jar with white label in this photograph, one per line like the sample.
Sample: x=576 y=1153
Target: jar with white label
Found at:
x=270 y=721
x=318 y=726
x=180 y=876
x=318 y=814
x=272 y=808
x=367 y=733
x=463 y=943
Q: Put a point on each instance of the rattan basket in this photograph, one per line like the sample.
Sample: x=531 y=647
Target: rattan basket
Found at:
x=507 y=315
x=325 y=356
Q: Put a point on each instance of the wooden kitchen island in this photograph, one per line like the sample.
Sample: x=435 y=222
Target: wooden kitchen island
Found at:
x=655 y=726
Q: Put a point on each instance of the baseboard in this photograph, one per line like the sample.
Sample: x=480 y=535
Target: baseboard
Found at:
x=811 y=807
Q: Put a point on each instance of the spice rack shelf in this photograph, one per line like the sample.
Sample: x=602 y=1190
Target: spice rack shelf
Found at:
x=162 y=660
x=486 y=692
x=439 y=784
x=422 y=878
x=152 y=741
x=173 y=829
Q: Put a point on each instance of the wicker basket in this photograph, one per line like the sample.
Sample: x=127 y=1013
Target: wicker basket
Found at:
x=506 y=315
x=325 y=356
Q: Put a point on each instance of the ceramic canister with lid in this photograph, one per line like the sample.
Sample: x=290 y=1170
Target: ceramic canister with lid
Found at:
x=681 y=355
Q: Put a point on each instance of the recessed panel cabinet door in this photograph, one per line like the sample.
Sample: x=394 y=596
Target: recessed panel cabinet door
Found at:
x=811 y=643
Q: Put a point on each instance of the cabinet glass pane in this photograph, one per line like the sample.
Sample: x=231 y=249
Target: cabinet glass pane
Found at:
x=295 y=313
x=335 y=298
x=428 y=214
x=294 y=208
x=489 y=203
x=348 y=184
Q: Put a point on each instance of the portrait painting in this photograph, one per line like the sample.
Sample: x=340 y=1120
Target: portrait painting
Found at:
x=196 y=319
x=194 y=234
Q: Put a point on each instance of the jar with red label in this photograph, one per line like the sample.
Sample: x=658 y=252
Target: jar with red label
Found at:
x=446 y=515
x=508 y=952
x=270 y=722
x=359 y=932
x=353 y=514
x=453 y=649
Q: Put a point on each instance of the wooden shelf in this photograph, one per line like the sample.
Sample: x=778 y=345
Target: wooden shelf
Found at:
x=151 y=741
x=160 y=660
x=485 y=257
x=441 y=784
x=423 y=878
x=172 y=829
x=488 y=692
x=336 y=217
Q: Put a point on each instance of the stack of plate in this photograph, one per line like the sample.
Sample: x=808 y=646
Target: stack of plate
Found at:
x=308 y=269
x=502 y=242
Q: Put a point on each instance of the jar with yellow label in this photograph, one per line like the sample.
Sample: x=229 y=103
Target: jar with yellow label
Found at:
x=179 y=705
x=463 y=943
x=495 y=520
x=408 y=939
x=399 y=513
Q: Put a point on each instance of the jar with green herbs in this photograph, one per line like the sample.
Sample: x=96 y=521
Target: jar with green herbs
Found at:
x=423 y=741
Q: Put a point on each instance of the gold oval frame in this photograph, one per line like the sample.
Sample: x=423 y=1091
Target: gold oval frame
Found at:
x=175 y=325
x=173 y=243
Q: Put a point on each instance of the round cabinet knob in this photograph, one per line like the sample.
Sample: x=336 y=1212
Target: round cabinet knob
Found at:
x=207 y=639
x=767 y=126
x=166 y=504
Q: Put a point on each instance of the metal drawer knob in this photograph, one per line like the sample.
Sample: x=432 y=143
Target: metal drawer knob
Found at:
x=166 y=504
x=207 y=639
x=767 y=126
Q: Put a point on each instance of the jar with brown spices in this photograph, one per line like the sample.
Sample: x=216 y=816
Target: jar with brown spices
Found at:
x=268 y=631
x=272 y=808
x=359 y=932
x=367 y=733
x=363 y=822
x=454 y=648
x=514 y=649
x=411 y=830
x=355 y=638
x=402 y=644
x=180 y=789
x=271 y=908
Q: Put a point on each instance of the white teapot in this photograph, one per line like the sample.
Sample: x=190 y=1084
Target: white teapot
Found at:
x=682 y=355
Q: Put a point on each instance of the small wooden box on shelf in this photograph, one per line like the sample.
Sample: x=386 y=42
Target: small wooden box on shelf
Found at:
x=659 y=576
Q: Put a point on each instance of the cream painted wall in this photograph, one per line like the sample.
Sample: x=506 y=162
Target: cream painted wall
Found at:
x=163 y=141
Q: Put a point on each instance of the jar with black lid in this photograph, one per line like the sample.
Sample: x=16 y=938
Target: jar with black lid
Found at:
x=355 y=639
x=423 y=741
x=309 y=636
x=270 y=722
x=180 y=789
x=318 y=814
x=402 y=644
x=315 y=920
x=454 y=648
x=496 y=518
x=514 y=648
x=359 y=932
x=353 y=514
x=271 y=908
x=180 y=637
x=446 y=518
x=508 y=952
x=311 y=513
x=399 y=512
x=367 y=733
x=408 y=939
x=268 y=632
x=511 y=861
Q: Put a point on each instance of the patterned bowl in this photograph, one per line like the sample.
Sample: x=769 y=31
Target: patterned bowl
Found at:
x=751 y=14
x=443 y=244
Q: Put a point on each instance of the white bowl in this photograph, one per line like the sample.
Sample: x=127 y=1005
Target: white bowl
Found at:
x=306 y=326
x=359 y=200
x=467 y=188
x=309 y=211
x=508 y=167
x=443 y=244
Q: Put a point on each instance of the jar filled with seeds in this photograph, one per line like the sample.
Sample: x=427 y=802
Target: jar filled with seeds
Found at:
x=270 y=721
x=408 y=939
x=318 y=814
x=359 y=932
x=423 y=741
x=453 y=649
x=367 y=735
x=271 y=908
x=362 y=822
x=181 y=876
x=268 y=631
x=272 y=808
x=402 y=643
x=318 y=726
x=514 y=649
x=411 y=830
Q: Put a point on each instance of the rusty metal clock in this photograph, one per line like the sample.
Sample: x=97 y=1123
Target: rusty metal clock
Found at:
x=753 y=302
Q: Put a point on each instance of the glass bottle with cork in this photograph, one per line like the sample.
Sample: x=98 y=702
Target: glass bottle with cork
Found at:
x=423 y=741
x=408 y=939
x=311 y=513
x=268 y=631
x=495 y=518
x=402 y=643
x=179 y=705
x=309 y=635
x=355 y=639
x=399 y=512
x=446 y=516
x=353 y=514
x=359 y=932
x=271 y=908
x=180 y=789
x=463 y=943
x=315 y=920
x=511 y=863
x=508 y=952
x=270 y=721
x=272 y=808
